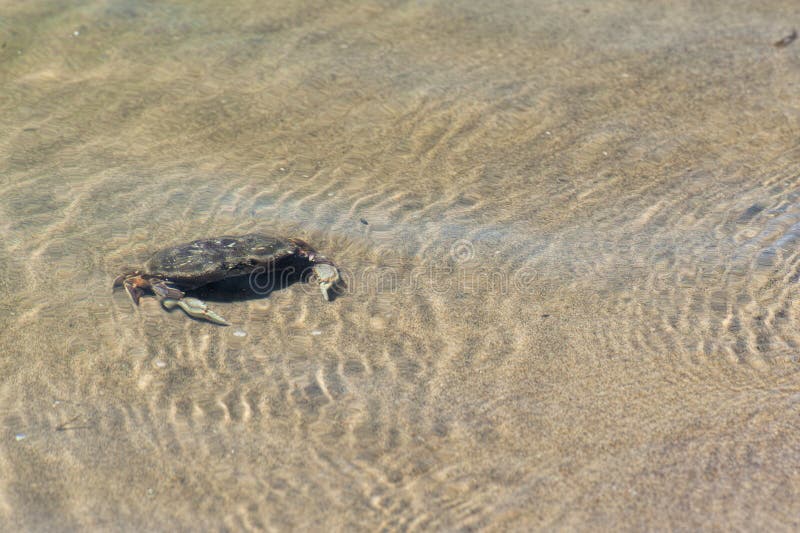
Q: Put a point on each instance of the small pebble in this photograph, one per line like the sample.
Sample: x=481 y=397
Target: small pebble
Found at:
x=240 y=333
x=76 y=33
x=316 y=332
x=160 y=364
x=330 y=194
x=20 y=436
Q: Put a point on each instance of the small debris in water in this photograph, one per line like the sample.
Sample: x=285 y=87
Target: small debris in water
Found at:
x=160 y=364
x=316 y=332
x=20 y=436
x=240 y=333
x=70 y=424
x=786 y=41
x=364 y=221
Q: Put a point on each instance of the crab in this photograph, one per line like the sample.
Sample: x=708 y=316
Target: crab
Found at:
x=170 y=272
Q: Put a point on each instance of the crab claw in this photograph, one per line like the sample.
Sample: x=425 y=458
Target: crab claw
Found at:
x=327 y=276
x=196 y=308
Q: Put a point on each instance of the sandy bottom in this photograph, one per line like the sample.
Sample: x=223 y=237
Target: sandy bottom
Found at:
x=570 y=232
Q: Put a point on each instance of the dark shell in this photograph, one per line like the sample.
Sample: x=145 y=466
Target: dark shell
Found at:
x=207 y=260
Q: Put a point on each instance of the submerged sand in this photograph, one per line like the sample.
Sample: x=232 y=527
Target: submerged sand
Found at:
x=571 y=298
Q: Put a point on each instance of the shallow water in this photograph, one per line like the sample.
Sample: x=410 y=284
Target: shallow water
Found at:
x=572 y=303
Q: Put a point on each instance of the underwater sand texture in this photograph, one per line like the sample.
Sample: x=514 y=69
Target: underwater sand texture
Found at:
x=573 y=304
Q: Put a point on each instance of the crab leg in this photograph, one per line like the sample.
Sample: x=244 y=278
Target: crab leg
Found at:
x=163 y=289
x=325 y=272
x=133 y=291
x=134 y=286
x=196 y=308
x=327 y=276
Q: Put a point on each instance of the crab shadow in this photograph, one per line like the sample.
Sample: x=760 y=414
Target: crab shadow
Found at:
x=242 y=288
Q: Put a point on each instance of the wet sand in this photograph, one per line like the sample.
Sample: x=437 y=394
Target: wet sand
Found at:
x=572 y=305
